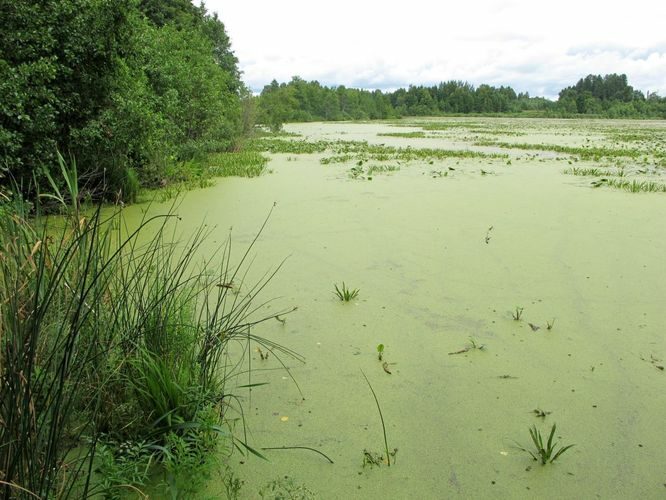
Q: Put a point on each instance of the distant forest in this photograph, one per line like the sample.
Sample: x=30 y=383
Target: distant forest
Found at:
x=603 y=96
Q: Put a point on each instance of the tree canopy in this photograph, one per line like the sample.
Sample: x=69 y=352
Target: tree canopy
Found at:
x=123 y=87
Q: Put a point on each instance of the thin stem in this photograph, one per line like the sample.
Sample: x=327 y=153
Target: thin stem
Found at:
x=388 y=457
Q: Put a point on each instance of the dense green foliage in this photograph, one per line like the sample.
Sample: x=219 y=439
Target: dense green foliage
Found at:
x=299 y=100
x=125 y=87
x=113 y=351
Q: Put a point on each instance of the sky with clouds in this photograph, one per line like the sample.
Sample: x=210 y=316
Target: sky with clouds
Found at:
x=533 y=46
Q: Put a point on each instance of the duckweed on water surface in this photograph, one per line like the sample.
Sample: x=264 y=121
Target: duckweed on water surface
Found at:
x=442 y=264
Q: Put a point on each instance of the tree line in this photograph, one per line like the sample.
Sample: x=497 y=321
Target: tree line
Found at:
x=126 y=88
x=298 y=100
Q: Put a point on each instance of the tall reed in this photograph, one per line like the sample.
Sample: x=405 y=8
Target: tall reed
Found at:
x=110 y=334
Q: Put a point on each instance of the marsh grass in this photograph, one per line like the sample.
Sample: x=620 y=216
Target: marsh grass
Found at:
x=347 y=152
x=517 y=313
x=544 y=452
x=447 y=125
x=583 y=153
x=361 y=151
x=112 y=335
x=345 y=294
x=382 y=169
x=637 y=186
x=236 y=163
x=406 y=135
x=278 y=145
x=592 y=172
x=200 y=172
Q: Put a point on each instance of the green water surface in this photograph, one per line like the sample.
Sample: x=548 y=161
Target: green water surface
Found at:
x=416 y=246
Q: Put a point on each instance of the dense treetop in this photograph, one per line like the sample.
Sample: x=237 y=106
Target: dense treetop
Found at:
x=127 y=88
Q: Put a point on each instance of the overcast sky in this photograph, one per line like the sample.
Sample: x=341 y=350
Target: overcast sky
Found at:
x=534 y=46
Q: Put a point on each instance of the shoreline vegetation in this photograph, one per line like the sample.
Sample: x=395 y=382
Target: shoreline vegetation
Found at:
x=114 y=351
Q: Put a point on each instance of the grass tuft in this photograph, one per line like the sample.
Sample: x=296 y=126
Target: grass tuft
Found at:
x=545 y=453
x=345 y=294
x=113 y=340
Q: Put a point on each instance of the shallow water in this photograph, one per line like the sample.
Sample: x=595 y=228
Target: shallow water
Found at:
x=415 y=245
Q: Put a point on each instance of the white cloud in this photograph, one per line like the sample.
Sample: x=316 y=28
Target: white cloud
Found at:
x=533 y=46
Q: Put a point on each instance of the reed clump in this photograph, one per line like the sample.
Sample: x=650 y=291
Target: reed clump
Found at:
x=112 y=345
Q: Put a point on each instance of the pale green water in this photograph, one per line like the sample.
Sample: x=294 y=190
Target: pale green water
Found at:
x=415 y=246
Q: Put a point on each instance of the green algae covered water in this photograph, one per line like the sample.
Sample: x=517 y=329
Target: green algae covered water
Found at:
x=444 y=253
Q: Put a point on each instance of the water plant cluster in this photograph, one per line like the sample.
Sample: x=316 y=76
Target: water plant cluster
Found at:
x=361 y=151
x=584 y=153
x=368 y=159
x=471 y=127
x=358 y=171
x=113 y=350
x=544 y=452
x=405 y=135
x=611 y=161
x=201 y=173
x=279 y=144
x=245 y=163
x=344 y=293
x=630 y=157
x=633 y=186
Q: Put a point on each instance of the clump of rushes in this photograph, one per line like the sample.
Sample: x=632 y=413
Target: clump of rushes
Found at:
x=544 y=453
x=517 y=313
x=112 y=344
x=236 y=163
x=345 y=294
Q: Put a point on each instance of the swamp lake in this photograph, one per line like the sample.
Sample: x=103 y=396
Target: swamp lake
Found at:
x=512 y=269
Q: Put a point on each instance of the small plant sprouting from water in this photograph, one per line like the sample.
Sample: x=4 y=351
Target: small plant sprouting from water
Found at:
x=541 y=413
x=488 y=234
x=345 y=294
x=374 y=459
x=473 y=344
x=286 y=487
x=545 y=453
x=517 y=314
x=380 y=357
x=367 y=454
x=550 y=324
